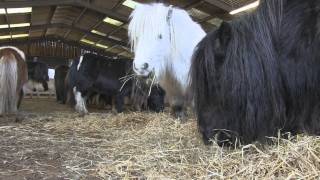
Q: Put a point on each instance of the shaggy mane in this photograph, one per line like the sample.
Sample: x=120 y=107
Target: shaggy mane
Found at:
x=260 y=73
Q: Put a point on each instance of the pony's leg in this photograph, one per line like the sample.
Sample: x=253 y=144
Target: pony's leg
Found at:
x=119 y=103
x=19 y=117
x=312 y=125
x=113 y=105
x=120 y=98
x=80 y=102
x=20 y=98
x=45 y=85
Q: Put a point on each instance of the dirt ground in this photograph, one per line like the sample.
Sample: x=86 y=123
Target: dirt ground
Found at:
x=31 y=150
x=53 y=142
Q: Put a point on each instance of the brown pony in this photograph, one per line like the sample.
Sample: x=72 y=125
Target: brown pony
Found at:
x=13 y=75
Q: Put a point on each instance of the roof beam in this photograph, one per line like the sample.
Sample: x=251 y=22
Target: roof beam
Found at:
x=75 y=22
x=192 y=5
x=7 y=19
x=102 y=10
x=118 y=4
x=17 y=42
x=64 y=26
x=78 y=3
x=220 y=4
x=52 y=11
x=35 y=3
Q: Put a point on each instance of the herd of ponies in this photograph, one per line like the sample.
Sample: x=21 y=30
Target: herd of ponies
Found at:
x=251 y=78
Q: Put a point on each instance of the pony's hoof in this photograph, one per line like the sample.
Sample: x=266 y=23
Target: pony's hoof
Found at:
x=82 y=114
x=19 y=119
x=226 y=139
x=181 y=115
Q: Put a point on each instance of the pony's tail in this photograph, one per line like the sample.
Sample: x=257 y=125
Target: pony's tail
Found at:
x=8 y=84
x=202 y=70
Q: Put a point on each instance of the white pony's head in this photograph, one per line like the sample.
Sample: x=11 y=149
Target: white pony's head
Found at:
x=163 y=37
x=150 y=36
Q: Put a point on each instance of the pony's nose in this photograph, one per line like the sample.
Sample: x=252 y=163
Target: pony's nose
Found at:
x=145 y=66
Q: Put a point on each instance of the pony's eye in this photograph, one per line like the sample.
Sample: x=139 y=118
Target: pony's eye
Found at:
x=160 y=36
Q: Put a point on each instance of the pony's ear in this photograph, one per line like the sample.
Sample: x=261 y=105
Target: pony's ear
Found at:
x=224 y=33
x=221 y=39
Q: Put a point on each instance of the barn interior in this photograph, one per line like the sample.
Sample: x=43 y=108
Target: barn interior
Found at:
x=60 y=30
x=53 y=142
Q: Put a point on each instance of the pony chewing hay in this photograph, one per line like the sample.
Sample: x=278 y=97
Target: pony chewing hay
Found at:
x=13 y=75
x=163 y=39
x=260 y=74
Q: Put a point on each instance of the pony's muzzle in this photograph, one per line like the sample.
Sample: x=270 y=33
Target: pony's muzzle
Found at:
x=145 y=66
x=142 y=70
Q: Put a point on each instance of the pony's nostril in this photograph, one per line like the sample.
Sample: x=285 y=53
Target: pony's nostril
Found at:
x=145 y=66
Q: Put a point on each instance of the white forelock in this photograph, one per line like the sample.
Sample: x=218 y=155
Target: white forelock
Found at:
x=23 y=56
x=146 y=20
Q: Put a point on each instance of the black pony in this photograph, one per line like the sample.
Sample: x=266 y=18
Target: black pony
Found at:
x=38 y=72
x=260 y=74
x=93 y=74
x=60 y=74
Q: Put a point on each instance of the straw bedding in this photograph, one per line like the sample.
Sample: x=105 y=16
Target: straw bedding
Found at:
x=62 y=145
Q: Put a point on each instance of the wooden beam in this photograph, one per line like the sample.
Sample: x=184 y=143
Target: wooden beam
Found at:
x=118 y=4
x=49 y=20
x=220 y=4
x=93 y=27
x=65 y=26
x=99 y=23
x=7 y=20
x=103 y=10
x=17 y=42
x=192 y=5
x=35 y=3
x=78 y=3
x=75 y=21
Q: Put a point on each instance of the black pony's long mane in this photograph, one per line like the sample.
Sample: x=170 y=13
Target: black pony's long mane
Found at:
x=261 y=72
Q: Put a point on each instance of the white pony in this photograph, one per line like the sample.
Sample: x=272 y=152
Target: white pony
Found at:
x=163 y=39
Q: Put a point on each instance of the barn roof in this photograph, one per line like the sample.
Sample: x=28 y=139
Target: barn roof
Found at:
x=89 y=25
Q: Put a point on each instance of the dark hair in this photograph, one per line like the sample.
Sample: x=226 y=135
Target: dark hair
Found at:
x=259 y=74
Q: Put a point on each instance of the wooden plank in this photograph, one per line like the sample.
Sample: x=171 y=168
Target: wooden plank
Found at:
x=79 y=3
x=220 y=4
x=35 y=3
x=37 y=41
x=65 y=26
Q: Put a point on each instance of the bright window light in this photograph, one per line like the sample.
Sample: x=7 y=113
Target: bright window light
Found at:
x=5 y=37
x=87 y=41
x=19 y=35
x=20 y=25
x=2 y=11
x=3 y=26
x=99 y=33
x=129 y=3
x=19 y=10
x=245 y=8
x=102 y=46
x=112 y=21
